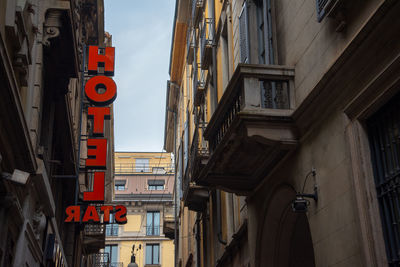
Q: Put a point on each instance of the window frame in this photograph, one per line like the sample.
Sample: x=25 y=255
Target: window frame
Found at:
x=154 y=228
x=158 y=259
x=142 y=167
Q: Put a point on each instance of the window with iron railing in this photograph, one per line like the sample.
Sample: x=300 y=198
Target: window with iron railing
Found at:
x=384 y=137
x=112 y=228
x=156 y=184
x=142 y=165
x=120 y=185
x=153 y=223
x=265 y=37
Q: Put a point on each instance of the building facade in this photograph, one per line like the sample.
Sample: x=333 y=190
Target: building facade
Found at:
x=42 y=136
x=144 y=183
x=284 y=120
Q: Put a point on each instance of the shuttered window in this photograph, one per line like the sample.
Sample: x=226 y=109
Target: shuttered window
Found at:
x=244 y=35
x=265 y=36
x=323 y=7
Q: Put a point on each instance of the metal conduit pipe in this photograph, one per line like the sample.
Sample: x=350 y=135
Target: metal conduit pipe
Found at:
x=219 y=219
x=214 y=101
x=198 y=240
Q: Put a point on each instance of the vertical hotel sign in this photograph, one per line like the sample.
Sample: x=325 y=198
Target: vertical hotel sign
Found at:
x=100 y=91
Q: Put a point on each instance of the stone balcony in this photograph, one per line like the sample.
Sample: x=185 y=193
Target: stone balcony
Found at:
x=169 y=227
x=94 y=236
x=252 y=129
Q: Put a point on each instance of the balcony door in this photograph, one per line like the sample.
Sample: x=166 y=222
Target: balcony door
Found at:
x=153 y=223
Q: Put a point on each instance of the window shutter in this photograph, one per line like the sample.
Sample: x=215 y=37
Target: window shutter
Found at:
x=120 y=182
x=324 y=7
x=156 y=182
x=244 y=35
x=186 y=145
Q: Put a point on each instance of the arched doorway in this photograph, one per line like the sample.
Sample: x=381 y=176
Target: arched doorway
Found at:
x=284 y=238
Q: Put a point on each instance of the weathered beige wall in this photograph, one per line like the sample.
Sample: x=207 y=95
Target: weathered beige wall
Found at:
x=332 y=219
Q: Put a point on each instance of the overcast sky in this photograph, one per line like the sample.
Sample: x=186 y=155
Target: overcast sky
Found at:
x=141 y=32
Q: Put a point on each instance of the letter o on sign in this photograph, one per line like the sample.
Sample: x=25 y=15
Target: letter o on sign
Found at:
x=101 y=90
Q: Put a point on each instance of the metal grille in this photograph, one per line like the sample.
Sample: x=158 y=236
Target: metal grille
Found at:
x=153 y=230
x=384 y=134
x=112 y=229
x=275 y=94
x=94 y=229
x=101 y=260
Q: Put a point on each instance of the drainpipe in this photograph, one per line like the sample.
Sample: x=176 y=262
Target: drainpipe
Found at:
x=198 y=239
x=214 y=101
x=219 y=217
x=32 y=77
x=169 y=88
x=176 y=195
x=80 y=126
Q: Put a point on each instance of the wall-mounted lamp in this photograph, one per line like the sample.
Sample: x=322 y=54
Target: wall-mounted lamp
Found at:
x=18 y=176
x=133 y=258
x=300 y=204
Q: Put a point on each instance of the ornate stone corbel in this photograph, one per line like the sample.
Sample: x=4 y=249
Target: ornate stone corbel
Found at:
x=52 y=25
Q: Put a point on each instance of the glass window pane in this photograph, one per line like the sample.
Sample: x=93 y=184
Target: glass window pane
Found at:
x=149 y=225
x=156 y=254
x=156 y=219
x=142 y=165
x=149 y=254
x=114 y=254
x=156 y=230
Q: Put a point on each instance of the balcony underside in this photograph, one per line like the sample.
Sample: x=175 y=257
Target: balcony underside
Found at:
x=93 y=244
x=169 y=229
x=199 y=96
x=93 y=238
x=196 y=197
x=256 y=141
x=206 y=56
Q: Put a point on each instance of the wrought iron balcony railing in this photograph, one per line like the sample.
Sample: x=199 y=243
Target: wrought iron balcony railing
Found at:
x=94 y=229
x=112 y=229
x=199 y=85
x=194 y=196
x=130 y=168
x=153 y=230
x=101 y=259
x=206 y=42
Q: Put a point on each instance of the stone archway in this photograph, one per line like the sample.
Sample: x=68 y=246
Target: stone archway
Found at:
x=284 y=238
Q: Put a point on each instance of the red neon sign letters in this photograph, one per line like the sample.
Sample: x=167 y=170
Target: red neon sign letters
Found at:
x=101 y=91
